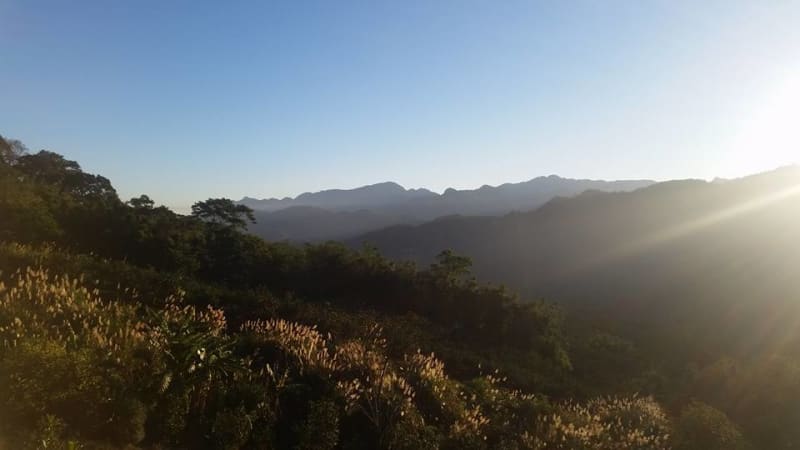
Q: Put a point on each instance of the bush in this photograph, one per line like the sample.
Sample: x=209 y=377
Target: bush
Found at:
x=321 y=428
x=174 y=375
x=604 y=423
x=701 y=426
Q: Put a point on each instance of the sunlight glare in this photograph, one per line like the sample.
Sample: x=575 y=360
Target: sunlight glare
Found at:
x=770 y=137
x=667 y=235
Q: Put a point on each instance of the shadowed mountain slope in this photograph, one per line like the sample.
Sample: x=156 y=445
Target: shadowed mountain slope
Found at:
x=313 y=224
x=734 y=243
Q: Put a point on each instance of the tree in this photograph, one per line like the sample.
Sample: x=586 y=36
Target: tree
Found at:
x=85 y=185
x=47 y=167
x=141 y=202
x=25 y=216
x=11 y=150
x=451 y=267
x=53 y=169
x=223 y=211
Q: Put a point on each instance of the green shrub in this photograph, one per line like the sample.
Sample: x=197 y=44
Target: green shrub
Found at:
x=320 y=431
x=604 y=423
x=701 y=426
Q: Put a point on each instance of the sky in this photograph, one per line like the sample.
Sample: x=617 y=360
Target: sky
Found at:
x=186 y=100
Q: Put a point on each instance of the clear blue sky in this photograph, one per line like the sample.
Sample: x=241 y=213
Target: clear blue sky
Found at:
x=185 y=100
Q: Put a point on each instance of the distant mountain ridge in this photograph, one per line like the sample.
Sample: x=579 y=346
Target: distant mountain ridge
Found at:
x=509 y=197
x=345 y=213
x=380 y=194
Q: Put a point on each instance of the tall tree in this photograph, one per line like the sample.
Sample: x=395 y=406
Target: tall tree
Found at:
x=141 y=202
x=11 y=150
x=223 y=211
x=452 y=267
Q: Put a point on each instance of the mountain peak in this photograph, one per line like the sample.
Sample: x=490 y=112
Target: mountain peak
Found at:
x=388 y=184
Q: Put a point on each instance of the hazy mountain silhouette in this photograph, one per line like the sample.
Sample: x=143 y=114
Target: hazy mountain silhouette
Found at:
x=340 y=213
x=375 y=195
x=736 y=241
x=524 y=196
x=310 y=224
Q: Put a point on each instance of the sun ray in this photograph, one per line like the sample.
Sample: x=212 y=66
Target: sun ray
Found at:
x=684 y=229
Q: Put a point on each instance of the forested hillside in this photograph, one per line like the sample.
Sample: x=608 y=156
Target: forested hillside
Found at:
x=125 y=325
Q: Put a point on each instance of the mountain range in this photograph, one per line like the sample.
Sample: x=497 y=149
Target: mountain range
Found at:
x=734 y=243
x=346 y=213
x=365 y=197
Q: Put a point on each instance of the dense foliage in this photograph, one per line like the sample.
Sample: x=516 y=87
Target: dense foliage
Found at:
x=126 y=325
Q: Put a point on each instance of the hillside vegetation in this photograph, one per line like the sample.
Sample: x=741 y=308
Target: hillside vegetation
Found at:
x=125 y=325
